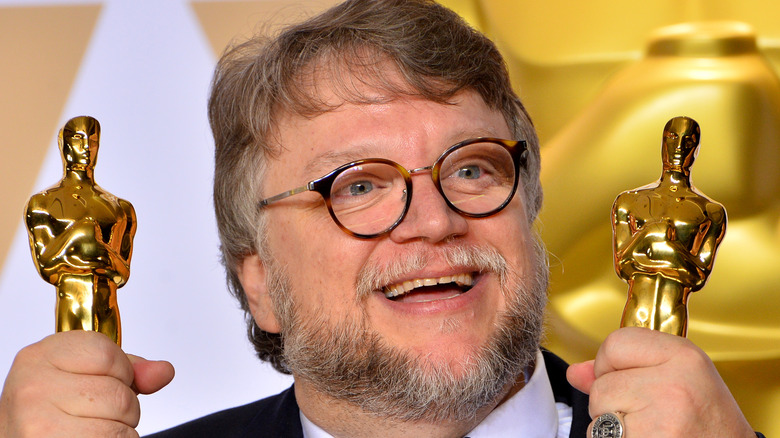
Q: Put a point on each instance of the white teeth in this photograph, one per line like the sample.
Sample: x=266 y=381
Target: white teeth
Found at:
x=395 y=290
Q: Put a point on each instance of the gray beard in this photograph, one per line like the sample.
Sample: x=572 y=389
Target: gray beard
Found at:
x=348 y=361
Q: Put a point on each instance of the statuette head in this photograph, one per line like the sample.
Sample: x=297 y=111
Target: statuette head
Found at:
x=79 y=140
x=680 y=143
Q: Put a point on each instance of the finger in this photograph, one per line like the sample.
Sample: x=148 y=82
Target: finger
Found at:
x=99 y=397
x=150 y=376
x=625 y=391
x=50 y=394
x=635 y=347
x=105 y=428
x=581 y=376
x=22 y=417
x=623 y=425
x=69 y=427
x=87 y=352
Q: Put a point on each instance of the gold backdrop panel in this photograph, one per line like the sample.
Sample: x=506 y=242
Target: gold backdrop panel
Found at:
x=227 y=21
x=561 y=52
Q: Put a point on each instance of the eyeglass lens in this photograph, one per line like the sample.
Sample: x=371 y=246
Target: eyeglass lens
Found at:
x=369 y=198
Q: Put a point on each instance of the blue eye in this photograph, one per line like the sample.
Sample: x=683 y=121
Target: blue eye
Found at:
x=360 y=188
x=469 y=172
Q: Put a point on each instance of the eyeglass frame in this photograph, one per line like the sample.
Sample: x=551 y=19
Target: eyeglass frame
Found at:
x=518 y=150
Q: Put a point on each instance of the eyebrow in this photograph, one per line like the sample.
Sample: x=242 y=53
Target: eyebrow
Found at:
x=469 y=134
x=330 y=160
x=327 y=161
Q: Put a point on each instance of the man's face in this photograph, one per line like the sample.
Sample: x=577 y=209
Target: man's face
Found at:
x=446 y=325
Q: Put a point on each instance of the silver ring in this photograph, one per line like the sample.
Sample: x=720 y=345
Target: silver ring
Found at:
x=609 y=425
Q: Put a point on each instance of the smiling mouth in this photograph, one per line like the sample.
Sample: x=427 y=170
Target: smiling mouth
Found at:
x=443 y=287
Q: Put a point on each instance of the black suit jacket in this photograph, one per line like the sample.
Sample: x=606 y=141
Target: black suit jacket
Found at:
x=278 y=416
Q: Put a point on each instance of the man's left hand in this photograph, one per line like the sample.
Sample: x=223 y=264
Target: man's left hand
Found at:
x=663 y=384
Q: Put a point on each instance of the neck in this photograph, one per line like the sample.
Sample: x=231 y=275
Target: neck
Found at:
x=79 y=172
x=675 y=175
x=342 y=419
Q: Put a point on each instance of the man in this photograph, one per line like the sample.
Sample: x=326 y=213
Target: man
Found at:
x=406 y=295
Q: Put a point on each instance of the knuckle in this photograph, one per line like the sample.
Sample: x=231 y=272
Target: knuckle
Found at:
x=24 y=354
x=26 y=394
x=22 y=424
x=680 y=396
x=126 y=405
x=595 y=406
x=25 y=391
x=695 y=356
x=122 y=431
x=108 y=429
x=105 y=356
x=595 y=392
x=33 y=429
x=27 y=357
x=611 y=343
x=17 y=418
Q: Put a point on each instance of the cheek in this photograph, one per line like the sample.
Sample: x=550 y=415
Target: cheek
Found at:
x=322 y=263
x=510 y=233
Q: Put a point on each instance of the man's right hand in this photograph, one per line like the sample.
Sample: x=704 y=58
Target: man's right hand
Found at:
x=77 y=383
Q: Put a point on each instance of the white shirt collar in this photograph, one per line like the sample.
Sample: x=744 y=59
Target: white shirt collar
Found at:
x=532 y=412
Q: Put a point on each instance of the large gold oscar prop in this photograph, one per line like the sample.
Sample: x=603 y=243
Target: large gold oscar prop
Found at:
x=665 y=236
x=82 y=237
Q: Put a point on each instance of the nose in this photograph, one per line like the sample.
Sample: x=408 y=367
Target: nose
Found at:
x=429 y=218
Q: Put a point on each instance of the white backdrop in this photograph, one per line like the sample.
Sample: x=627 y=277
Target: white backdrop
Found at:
x=145 y=76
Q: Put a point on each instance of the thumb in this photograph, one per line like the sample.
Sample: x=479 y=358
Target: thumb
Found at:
x=150 y=376
x=581 y=376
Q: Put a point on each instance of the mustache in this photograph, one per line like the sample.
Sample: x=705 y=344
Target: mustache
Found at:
x=483 y=258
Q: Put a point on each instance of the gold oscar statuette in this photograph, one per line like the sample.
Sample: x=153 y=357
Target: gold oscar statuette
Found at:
x=81 y=236
x=665 y=236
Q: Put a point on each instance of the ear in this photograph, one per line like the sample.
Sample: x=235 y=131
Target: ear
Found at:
x=252 y=275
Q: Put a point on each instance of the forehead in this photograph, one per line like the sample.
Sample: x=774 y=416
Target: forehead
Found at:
x=682 y=127
x=410 y=130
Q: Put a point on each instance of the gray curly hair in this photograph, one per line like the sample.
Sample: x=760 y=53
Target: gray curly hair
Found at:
x=435 y=52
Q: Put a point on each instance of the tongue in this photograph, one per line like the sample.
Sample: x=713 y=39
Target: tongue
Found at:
x=430 y=293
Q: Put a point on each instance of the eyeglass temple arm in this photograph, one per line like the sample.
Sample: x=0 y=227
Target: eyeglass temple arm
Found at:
x=286 y=194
